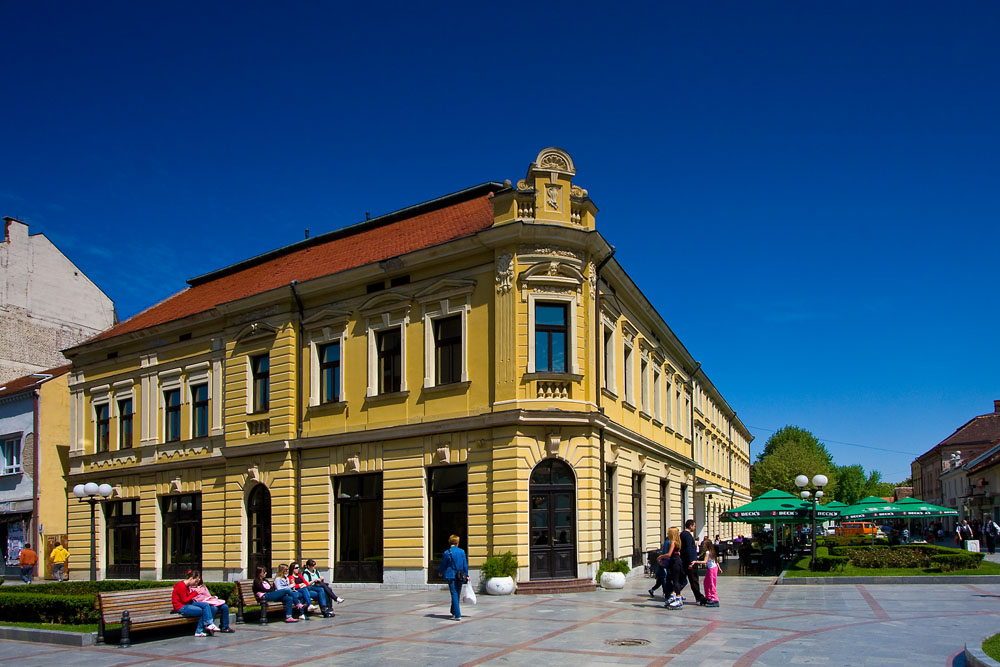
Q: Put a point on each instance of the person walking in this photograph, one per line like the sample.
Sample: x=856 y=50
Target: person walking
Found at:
x=712 y=570
x=454 y=569
x=991 y=530
x=59 y=556
x=670 y=560
x=27 y=559
x=689 y=554
x=963 y=533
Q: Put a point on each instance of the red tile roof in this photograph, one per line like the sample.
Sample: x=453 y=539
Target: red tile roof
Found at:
x=461 y=214
x=27 y=382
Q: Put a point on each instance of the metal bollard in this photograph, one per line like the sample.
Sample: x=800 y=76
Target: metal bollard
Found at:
x=126 y=626
x=263 y=612
x=239 y=611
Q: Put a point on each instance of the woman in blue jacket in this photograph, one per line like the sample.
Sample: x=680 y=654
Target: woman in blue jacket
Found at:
x=454 y=569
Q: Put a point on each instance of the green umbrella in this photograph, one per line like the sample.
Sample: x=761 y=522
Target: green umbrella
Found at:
x=777 y=506
x=835 y=505
x=871 y=507
x=914 y=507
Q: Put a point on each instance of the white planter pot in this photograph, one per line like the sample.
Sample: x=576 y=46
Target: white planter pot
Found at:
x=612 y=580
x=500 y=585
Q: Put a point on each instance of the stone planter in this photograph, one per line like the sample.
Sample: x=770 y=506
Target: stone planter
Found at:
x=500 y=585
x=612 y=580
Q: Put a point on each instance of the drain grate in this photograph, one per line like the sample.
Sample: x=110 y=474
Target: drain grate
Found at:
x=626 y=642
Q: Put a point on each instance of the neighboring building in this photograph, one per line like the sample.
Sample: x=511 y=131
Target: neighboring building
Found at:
x=46 y=303
x=478 y=364
x=34 y=454
x=982 y=484
x=966 y=443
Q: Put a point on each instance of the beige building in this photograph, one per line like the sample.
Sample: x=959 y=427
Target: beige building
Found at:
x=46 y=303
x=478 y=364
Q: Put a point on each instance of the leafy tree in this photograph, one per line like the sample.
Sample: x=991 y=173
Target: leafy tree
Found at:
x=786 y=460
x=794 y=434
x=851 y=484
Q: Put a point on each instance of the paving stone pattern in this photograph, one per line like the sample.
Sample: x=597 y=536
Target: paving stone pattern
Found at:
x=758 y=624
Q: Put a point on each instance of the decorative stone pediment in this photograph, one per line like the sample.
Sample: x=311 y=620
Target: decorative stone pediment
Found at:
x=554 y=159
x=446 y=288
x=116 y=461
x=551 y=276
x=385 y=302
x=256 y=330
x=328 y=317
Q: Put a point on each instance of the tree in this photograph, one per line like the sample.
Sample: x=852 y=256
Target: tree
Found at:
x=794 y=434
x=851 y=484
x=788 y=459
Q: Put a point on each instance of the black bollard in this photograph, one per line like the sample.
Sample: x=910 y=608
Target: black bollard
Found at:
x=126 y=626
x=239 y=610
x=263 y=612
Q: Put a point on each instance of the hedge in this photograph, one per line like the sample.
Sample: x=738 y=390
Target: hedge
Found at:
x=969 y=560
x=829 y=563
x=76 y=601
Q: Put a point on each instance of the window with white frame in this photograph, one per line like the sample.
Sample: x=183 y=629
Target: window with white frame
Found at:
x=668 y=393
x=609 y=358
x=552 y=334
x=445 y=308
x=102 y=427
x=627 y=367
x=657 y=397
x=644 y=385
x=328 y=332
x=11 y=450
x=387 y=316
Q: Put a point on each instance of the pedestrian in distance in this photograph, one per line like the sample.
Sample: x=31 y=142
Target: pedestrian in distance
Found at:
x=27 y=560
x=991 y=531
x=712 y=569
x=454 y=569
x=59 y=556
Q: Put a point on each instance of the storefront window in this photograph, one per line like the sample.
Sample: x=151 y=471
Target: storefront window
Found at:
x=122 y=519
x=448 y=496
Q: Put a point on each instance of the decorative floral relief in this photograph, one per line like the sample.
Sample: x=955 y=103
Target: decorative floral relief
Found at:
x=554 y=161
x=559 y=252
x=505 y=272
x=592 y=272
x=122 y=460
x=523 y=184
x=577 y=191
x=552 y=197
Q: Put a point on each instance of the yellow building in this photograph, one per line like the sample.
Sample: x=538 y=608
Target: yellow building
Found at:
x=478 y=364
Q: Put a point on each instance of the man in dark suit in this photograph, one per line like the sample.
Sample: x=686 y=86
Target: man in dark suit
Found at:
x=689 y=554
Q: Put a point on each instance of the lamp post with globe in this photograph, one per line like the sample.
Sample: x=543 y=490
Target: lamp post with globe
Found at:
x=818 y=482
x=92 y=493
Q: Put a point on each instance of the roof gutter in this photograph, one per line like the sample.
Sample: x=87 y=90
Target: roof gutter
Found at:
x=298 y=421
x=597 y=393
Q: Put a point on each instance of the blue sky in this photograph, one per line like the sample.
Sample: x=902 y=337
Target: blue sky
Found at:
x=807 y=192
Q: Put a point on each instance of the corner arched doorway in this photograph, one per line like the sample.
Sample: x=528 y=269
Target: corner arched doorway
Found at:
x=553 y=521
x=259 y=530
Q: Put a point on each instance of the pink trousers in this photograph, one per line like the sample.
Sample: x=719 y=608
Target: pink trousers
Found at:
x=711 y=578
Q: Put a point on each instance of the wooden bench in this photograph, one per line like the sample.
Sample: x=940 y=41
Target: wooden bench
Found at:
x=245 y=598
x=146 y=608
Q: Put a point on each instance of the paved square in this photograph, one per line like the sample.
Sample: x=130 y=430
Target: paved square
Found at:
x=758 y=624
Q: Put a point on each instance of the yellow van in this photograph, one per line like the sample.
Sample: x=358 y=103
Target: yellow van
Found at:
x=852 y=528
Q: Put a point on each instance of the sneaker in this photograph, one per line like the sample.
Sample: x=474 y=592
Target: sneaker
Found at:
x=212 y=627
x=200 y=634
x=227 y=630
x=313 y=608
x=289 y=619
x=712 y=603
x=340 y=600
x=327 y=613
x=652 y=594
x=676 y=604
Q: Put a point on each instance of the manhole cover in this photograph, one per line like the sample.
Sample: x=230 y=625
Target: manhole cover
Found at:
x=626 y=642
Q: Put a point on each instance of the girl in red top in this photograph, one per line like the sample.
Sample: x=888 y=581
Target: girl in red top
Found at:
x=184 y=603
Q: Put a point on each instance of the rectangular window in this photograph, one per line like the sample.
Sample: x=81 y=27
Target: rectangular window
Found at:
x=11 y=455
x=199 y=411
x=172 y=415
x=448 y=498
x=102 y=427
x=329 y=373
x=644 y=385
x=628 y=372
x=448 y=350
x=551 y=335
x=125 y=423
x=359 y=528
x=609 y=359
x=610 y=512
x=182 y=535
x=637 y=531
x=122 y=519
x=657 y=400
x=664 y=509
x=260 y=369
x=389 y=346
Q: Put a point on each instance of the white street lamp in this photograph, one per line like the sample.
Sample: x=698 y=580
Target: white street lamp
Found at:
x=818 y=482
x=93 y=493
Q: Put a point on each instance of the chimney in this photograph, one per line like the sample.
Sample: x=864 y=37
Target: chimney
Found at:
x=996 y=405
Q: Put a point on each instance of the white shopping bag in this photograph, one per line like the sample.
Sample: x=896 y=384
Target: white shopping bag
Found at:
x=468 y=595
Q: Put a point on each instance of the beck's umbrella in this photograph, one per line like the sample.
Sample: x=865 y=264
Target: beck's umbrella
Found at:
x=871 y=507
x=779 y=506
x=914 y=507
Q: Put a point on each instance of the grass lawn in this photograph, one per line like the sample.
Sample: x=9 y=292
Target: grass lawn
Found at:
x=83 y=627
x=992 y=646
x=800 y=568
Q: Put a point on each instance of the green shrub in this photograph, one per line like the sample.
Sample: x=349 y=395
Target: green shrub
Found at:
x=829 y=563
x=613 y=566
x=48 y=608
x=969 y=560
x=852 y=541
x=882 y=557
x=86 y=587
x=822 y=551
x=499 y=565
x=847 y=551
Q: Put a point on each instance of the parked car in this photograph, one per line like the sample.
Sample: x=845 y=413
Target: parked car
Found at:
x=849 y=528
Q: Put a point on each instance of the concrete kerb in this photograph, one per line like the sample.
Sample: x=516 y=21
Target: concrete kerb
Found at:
x=39 y=636
x=975 y=656
x=929 y=579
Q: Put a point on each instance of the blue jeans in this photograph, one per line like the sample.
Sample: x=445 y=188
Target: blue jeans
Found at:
x=283 y=595
x=319 y=595
x=455 y=588
x=57 y=570
x=200 y=610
